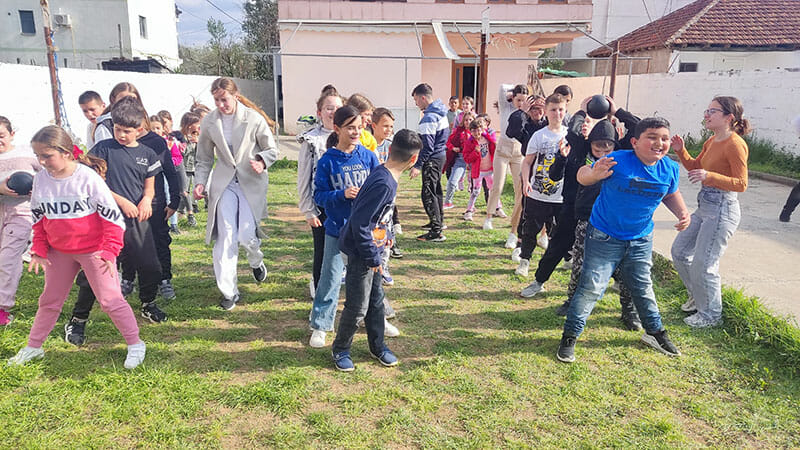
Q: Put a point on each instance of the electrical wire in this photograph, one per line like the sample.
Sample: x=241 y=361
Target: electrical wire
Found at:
x=224 y=12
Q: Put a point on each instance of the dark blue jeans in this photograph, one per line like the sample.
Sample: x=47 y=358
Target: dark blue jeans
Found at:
x=602 y=255
x=363 y=295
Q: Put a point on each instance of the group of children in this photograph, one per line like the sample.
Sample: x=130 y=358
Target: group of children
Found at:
x=589 y=184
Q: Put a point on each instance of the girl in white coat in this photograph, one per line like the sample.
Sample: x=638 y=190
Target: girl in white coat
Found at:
x=237 y=135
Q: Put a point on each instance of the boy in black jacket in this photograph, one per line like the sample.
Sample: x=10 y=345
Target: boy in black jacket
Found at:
x=363 y=239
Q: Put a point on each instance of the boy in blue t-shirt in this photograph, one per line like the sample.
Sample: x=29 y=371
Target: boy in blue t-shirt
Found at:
x=363 y=238
x=620 y=231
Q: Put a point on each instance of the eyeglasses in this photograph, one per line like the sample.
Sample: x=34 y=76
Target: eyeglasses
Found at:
x=711 y=111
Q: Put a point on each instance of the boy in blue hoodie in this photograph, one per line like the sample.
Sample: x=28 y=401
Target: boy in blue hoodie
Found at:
x=340 y=173
x=363 y=239
x=434 y=129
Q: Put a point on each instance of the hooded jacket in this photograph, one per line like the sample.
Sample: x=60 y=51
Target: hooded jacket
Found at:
x=472 y=151
x=337 y=171
x=434 y=130
x=312 y=147
x=584 y=199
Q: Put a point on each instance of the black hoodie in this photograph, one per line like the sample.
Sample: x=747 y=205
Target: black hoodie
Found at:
x=584 y=199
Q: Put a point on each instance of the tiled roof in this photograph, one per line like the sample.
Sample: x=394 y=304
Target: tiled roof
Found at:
x=719 y=23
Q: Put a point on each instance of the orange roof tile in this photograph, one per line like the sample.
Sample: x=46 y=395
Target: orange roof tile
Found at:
x=724 y=23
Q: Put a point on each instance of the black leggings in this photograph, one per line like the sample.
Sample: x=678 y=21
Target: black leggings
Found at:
x=318 y=234
x=793 y=200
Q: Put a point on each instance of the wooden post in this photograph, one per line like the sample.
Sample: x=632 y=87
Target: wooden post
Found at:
x=482 y=77
x=51 y=59
x=614 y=59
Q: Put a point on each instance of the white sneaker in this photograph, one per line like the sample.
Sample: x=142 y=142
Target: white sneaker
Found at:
x=697 y=320
x=522 y=269
x=311 y=289
x=532 y=289
x=390 y=330
x=543 y=241
x=468 y=216
x=317 y=339
x=135 y=355
x=689 y=306
x=511 y=242
x=24 y=355
x=515 y=254
x=397 y=229
x=487 y=224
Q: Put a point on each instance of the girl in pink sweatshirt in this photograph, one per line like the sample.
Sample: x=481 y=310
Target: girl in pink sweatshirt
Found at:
x=77 y=225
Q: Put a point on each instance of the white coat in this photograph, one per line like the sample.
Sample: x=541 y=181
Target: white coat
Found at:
x=250 y=137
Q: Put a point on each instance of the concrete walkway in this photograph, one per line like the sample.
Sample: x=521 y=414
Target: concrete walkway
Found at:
x=763 y=257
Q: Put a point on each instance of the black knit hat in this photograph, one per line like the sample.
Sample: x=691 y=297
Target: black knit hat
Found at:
x=603 y=131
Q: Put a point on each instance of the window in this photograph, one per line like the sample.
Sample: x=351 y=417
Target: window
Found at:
x=143 y=27
x=449 y=1
x=687 y=67
x=501 y=1
x=26 y=22
x=552 y=1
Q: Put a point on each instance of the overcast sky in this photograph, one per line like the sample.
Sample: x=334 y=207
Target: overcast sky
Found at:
x=192 y=23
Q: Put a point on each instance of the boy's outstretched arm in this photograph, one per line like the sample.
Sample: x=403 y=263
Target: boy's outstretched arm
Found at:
x=599 y=171
x=674 y=202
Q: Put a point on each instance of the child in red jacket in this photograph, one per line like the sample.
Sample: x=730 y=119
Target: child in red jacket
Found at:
x=479 y=148
x=455 y=160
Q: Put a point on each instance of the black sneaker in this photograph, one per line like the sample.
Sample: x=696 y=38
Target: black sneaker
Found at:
x=174 y=229
x=151 y=312
x=229 y=303
x=631 y=321
x=260 y=272
x=166 y=290
x=395 y=252
x=75 y=332
x=566 y=349
x=191 y=221
x=563 y=309
x=431 y=237
x=785 y=216
x=660 y=341
x=428 y=226
x=195 y=209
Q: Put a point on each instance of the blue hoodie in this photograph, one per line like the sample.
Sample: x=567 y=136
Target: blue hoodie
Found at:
x=337 y=171
x=434 y=129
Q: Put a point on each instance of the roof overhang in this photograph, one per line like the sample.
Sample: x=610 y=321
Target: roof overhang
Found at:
x=463 y=26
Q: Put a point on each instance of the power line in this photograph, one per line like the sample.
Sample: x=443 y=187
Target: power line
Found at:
x=224 y=12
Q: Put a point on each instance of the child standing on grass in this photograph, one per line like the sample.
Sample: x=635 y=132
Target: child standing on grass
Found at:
x=15 y=217
x=479 y=149
x=721 y=168
x=312 y=147
x=190 y=129
x=236 y=141
x=455 y=159
x=78 y=226
x=340 y=173
x=544 y=194
x=620 y=232
x=362 y=239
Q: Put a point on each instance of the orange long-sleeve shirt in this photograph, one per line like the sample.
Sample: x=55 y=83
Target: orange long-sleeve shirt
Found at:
x=725 y=162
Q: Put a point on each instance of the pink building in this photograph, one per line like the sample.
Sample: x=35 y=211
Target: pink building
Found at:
x=383 y=49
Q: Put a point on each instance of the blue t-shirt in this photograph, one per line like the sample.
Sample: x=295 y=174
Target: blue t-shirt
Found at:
x=629 y=197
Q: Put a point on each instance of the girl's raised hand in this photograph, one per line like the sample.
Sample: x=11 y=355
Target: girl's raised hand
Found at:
x=258 y=165
x=676 y=143
x=37 y=262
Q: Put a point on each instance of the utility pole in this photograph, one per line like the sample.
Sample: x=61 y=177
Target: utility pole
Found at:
x=614 y=59
x=483 y=71
x=51 y=59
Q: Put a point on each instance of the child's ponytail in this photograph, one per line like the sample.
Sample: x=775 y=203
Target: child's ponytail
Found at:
x=732 y=106
x=341 y=118
x=56 y=138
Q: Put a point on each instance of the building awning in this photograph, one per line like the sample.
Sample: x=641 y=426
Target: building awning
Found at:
x=441 y=37
x=466 y=26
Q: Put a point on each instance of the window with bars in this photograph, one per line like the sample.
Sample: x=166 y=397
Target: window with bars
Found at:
x=26 y=23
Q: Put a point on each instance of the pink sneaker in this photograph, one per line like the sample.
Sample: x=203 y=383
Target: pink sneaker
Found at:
x=5 y=318
x=448 y=206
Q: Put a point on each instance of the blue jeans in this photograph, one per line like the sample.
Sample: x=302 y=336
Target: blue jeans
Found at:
x=602 y=254
x=326 y=299
x=456 y=174
x=697 y=250
x=364 y=295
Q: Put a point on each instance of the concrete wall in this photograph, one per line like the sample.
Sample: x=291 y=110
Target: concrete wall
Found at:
x=93 y=36
x=27 y=99
x=769 y=98
x=708 y=61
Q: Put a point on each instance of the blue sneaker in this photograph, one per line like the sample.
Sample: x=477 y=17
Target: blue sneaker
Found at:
x=387 y=278
x=386 y=357
x=343 y=362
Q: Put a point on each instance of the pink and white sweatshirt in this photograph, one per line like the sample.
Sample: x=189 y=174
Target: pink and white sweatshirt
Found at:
x=75 y=215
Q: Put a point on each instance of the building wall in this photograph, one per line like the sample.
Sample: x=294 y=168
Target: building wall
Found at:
x=93 y=36
x=659 y=61
x=769 y=98
x=33 y=106
x=611 y=20
x=711 y=60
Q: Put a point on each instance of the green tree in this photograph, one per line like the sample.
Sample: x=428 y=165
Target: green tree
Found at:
x=222 y=56
x=261 y=33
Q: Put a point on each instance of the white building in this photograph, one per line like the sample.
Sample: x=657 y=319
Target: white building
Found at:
x=610 y=20
x=87 y=32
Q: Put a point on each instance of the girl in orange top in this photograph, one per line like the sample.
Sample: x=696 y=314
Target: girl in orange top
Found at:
x=721 y=167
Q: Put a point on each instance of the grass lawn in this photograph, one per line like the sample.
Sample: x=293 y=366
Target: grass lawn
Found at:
x=477 y=362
